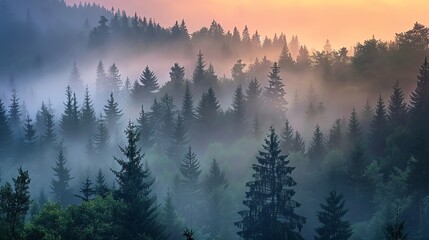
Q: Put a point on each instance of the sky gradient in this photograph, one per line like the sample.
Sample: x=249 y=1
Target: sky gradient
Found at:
x=344 y=22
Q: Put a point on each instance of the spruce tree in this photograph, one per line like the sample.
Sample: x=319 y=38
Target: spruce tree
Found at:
x=5 y=133
x=155 y=120
x=256 y=128
x=178 y=139
x=253 y=94
x=14 y=114
x=317 y=149
x=215 y=186
x=333 y=226
x=188 y=107
x=211 y=78
x=30 y=136
x=335 y=139
x=354 y=133
x=88 y=120
x=49 y=136
x=177 y=76
x=198 y=77
x=87 y=191
x=208 y=112
x=112 y=114
x=14 y=205
x=75 y=80
x=101 y=138
x=239 y=112
x=139 y=215
x=170 y=218
x=149 y=82
x=397 y=109
x=303 y=60
x=366 y=117
x=285 y=60
x=145 y=129
x=102 y=85
x=101 y=189
x=298 y=143
x=275 y=92
x=114 y=80
x=167 y=117
x=287 y=138
x=379 y=129
x=60 y=184
x=69 y=121
x=271 y=209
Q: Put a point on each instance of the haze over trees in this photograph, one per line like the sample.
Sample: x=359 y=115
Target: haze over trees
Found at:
x=121 y=128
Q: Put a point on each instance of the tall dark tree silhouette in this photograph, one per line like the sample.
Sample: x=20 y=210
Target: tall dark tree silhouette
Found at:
x=239 y=112
x=101 y=189
x=101 y=82
x=87 y=190
x=60 y=184
x=5 y=133
x=317 y=149
x=114 y=79
x=397 y=109
x=198 y=77
x=179 y=139
x=333 y=226
x=139 y=217
x=69 y=121
x=379 y=129
x=88 y=121
x=145 y=130
x=286 y=61
x=275 y=92
x=287 y=138
x=188 y=107
x=170 y=218
x=271 y=209
x=112 y=114
x=30 y=137
x=14 y=114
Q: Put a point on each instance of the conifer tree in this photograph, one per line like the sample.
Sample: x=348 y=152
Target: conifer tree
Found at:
x=333 y=226
x=30 y=136
x=287 y=138
x=101 y=189
x=41 y=114
x=112 y=114
x=49 y=136
x=145 y=129
x=198 y=77
x=14 y=205
x=317 y=149
x=237 y=72
x=139 y=216
x=87 y=191
x=354 y=133
x=149 y=82
x=188 y=107
x=88 y=120
x=366 y=117
x=256 y=128
x=189 y=186
x=397 y=109
x=335 y=139
x=14 y=114
x=379 y=129
x=178 y=139
x=303 y=61
x=101 y=82
x=60 y=184
x=298 y=143
x=101 y=138
x=239 y=111
x=114 y=79
x=170 y=218
x=419 y=103
x=215 y=185
x=208 y=111
x=69 y=121
x=211 y=78
x=167 y=116
x=285 y=60
x=177 y=76
x=5 y=133
x=271 y=209
x=75 y=80
x=155 y=120
x=253 y=93
x=275 y=92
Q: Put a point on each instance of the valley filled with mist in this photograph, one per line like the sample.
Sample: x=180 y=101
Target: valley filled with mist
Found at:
x=115 y=127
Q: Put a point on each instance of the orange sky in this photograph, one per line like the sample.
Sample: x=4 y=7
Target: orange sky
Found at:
x=344 y=22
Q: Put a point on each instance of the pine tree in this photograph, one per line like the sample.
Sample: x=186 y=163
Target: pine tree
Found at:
x=396 y=230
x=49 y=136
x=114 y=80
x=287 y=138
x=177 y=76
x=75 y=80
x=239 y=112
x=101 y=138
x=317 y=149
x=208 y=111
x=419 y=103
x=253 y=93
x=14 y=114
x=149 y=82
x=87 y=191
x=5 y=133
x=397 y=109
x=170 y=218
x=298 y=143
x=145 y=129
x=113 y=114
x=88 y=120
x=285 y=60
x=30 y=136
x=178 y=139
x=101 y=82
x=14 y=205
x=198 y=77
x=211 y=78
x=139 y=215
x=379 y=129
x=271 y=210
x=60 y=186
x=167 y=117
x=155 y=120
x=69 y=121
x=275 y=92
x=303 y=61
x=215 y=185
x=188 y=108
x=366 y=117
x=333 y=227
x=101 y=189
